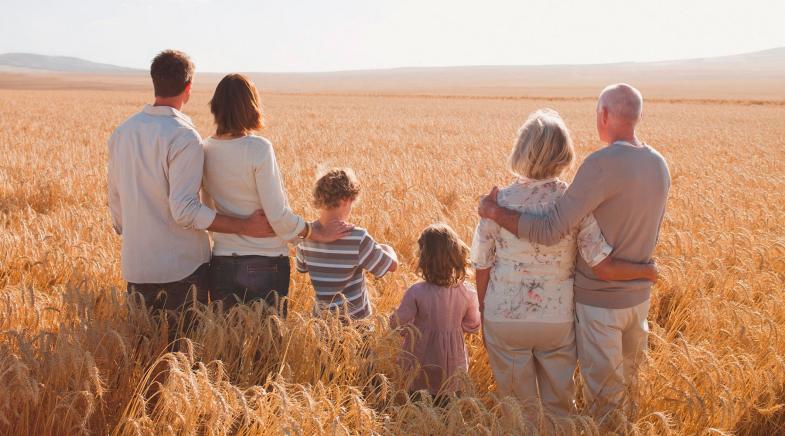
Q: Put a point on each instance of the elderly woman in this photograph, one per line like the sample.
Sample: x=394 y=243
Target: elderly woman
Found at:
x=525 y=289
x=241 y=175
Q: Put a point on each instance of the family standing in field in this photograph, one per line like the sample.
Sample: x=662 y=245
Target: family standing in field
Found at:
x=563 y=272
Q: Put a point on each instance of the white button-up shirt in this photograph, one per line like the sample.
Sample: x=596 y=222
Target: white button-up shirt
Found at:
x=155 y=172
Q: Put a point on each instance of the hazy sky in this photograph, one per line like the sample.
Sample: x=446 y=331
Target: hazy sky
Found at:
x=309 y=35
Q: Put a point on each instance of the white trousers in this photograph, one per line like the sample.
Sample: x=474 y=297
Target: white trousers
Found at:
x=526 y=355
x=611 y=344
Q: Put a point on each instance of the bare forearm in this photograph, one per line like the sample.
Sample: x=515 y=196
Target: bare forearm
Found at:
x=228 y=224
x=482 y=276
x=621 y=270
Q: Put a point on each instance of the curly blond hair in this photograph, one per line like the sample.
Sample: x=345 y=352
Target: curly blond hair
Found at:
x=444 y=258
x=335 y=185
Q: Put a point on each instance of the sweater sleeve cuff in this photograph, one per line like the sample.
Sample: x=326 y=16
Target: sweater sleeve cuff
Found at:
x=204 y=218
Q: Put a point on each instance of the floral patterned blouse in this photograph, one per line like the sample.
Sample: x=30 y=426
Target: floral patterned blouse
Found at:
x=529 y=281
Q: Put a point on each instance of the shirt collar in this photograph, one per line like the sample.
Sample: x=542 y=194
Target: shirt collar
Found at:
x=532 y=182
x=629 y=144
x=166 y=111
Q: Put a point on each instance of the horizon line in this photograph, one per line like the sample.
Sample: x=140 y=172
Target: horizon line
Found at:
x=132 y=70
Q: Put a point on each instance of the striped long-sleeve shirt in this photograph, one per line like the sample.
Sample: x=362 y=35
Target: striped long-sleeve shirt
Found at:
x=336 y=270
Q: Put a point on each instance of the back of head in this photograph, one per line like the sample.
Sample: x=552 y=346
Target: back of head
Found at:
x=334 y=186
x=444 y=258
x=544 y=147
x=171 y=71
x=623 y=103
x=236 y=106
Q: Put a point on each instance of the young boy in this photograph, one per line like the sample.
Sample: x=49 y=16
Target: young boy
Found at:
x=337 y=267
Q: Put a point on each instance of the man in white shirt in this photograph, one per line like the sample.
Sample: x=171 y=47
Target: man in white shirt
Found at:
x=155 y=173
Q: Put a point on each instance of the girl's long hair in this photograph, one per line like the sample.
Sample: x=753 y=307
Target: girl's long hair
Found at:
x=444 y=258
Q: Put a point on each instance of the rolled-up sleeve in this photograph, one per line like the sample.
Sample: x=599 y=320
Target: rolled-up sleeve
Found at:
x=483 y=251
x=591 y=242
x=285 y=223
x=186 y=164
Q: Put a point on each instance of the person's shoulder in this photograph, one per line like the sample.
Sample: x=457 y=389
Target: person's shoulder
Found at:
x=355 y=238
x=209 y=142
x=259 y=147
x=130 y=123
x=659 y=161
x=467 y=288
x=612 y=157
x=600 y=155
x=181 y=130
x=419 y=287
x=512 y=191
x=515 y=186
x=359 y=234
x=655 y=153
x=133 y=118
x=258 y=143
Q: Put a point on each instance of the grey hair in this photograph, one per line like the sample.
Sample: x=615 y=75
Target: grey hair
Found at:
x=622 y=101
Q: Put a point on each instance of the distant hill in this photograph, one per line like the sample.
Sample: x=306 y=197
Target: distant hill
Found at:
x=29 y=62
x=758 y=76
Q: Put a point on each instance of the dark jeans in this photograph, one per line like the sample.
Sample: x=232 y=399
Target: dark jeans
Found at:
x=174 y=297
x=176 y=294
x=245 y=279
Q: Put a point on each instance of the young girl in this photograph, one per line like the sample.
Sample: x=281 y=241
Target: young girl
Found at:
x=441 y=308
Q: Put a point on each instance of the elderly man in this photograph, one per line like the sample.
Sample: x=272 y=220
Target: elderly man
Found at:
x=625 y=185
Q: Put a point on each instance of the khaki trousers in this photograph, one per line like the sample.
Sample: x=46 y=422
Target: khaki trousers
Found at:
x=611 y=344
x=526 y=355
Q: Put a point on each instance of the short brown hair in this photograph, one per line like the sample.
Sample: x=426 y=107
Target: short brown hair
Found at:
x=544 y=147
x=236 y=107
x=171 y=72
x=444 y=258
x=335 y=185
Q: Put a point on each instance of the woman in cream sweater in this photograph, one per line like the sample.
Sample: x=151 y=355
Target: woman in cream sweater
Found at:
x=241 y=175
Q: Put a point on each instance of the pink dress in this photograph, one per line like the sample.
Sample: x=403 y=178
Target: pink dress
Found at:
x=441 y=315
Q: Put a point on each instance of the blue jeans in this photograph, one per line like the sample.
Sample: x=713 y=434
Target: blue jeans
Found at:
x=245 y=279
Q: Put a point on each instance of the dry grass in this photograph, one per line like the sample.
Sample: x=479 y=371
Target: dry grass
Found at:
x=76 y=357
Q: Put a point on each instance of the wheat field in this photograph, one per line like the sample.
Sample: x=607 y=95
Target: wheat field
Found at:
x=78 y=357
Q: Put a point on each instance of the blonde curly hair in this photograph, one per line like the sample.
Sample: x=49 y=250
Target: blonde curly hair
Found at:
x=335 y=185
